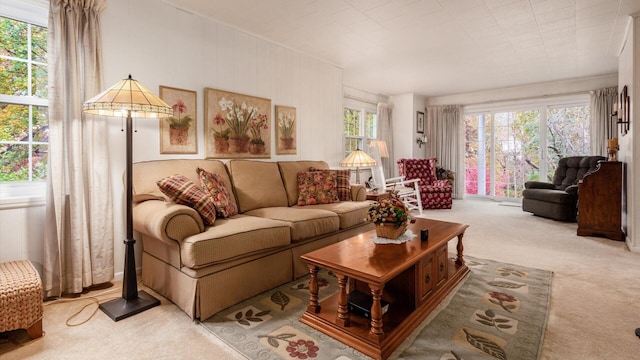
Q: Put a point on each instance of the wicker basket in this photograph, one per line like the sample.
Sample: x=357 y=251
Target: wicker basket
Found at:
x=390 y=231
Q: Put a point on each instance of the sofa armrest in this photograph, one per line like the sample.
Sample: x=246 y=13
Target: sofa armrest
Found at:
x=166 y=221
x=441 y=183
x=358 y=192
x=572 y=190
x=539 y=185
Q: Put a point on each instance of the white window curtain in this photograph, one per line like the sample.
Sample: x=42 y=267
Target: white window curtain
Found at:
x=445 y=141
x=385 y=132
x=603 y=127
x=79 y=214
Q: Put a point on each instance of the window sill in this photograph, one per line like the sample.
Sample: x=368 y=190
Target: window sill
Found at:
x=22 y=195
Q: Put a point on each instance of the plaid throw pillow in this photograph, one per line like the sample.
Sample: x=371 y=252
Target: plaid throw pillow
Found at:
x=317 y=187
x=183 y=191
x=343 y=183
x=222 y=198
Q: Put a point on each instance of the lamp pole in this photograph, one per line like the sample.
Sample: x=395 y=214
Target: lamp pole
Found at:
x=132 y=301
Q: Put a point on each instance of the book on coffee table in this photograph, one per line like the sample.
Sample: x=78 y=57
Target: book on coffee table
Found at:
x=360 y=303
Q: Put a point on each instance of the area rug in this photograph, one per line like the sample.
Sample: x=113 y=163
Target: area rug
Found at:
x=498 y=312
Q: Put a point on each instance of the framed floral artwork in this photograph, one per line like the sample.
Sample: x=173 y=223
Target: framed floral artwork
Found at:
x=178 y=133
x=286 y=130
x=236 y=125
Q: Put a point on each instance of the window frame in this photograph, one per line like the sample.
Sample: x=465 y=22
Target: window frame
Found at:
x=363 y=108
x=19 y=193
x=540 y=104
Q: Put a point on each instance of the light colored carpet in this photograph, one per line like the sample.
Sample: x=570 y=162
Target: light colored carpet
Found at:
x=498 y=311
x=595 y=297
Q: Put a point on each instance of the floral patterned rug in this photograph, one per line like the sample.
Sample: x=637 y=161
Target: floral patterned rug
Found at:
x=499 y=312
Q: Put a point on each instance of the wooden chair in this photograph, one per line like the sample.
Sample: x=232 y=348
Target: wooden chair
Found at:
x=408 y=192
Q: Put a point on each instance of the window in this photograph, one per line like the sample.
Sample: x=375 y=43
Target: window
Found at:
x=359 y=127
x=505 y=148
x=24 y=125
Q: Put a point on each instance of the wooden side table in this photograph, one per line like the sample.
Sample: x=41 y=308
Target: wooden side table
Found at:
x=378 y=196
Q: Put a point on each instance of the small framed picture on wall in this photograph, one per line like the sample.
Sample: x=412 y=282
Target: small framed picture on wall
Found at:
x=420 y=122
x=178 y=133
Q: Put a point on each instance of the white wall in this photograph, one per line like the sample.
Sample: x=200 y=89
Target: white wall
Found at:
x=629 y=75
x=161 y=45
x=405 y=107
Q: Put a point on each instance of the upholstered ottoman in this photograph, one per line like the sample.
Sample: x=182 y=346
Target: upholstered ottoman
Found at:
x=20 y=298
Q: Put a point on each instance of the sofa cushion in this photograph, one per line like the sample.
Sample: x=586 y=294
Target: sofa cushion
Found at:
x=304 y=223
x=550 y=196
x=317 y=187
x=257 y=184
x=343 y=183
x=183 y=191
x=221 y=195
x=232 y=238
x=350 y=213
x=289 y=172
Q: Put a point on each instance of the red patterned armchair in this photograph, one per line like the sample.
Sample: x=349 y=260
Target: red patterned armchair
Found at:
x=435 y=193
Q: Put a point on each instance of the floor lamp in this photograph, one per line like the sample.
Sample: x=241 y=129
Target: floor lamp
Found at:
x=129 y=98
x=358 y=159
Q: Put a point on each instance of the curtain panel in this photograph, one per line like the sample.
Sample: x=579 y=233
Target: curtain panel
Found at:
x=445 y=141
x=78 y=249
x=385 y=132
x=603 y=127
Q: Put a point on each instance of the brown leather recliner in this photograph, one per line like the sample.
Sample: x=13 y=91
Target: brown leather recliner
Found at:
x=559 y=200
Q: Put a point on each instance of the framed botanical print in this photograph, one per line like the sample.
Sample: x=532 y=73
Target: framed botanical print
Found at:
x=179 y=133
x=236 y=125
x=285 y=124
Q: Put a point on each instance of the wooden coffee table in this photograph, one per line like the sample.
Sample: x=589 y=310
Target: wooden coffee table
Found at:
x=413 y=278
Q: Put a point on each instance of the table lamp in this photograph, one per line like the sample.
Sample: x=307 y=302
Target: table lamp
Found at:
x=130 y=98
x=357 y=159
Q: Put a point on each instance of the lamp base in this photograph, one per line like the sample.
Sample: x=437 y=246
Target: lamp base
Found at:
x=118 y=309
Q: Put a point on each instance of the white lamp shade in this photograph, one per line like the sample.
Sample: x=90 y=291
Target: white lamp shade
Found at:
x=127 y=95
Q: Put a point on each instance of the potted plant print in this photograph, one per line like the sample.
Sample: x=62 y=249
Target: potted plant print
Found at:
x=286 y=122
x=178 y=124
x=238 y=118
x=220 y=137
x=257 y=125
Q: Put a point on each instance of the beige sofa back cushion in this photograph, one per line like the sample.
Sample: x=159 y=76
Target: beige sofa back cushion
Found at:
x=146 y=173
x=257 y=184
x=289 y=172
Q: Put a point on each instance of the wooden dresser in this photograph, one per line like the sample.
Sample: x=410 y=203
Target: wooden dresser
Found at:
x=600 y=202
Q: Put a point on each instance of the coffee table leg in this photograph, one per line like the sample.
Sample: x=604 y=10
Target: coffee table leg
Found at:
x=313 y=306
x=343 y=310
x=460 y=248
x=376 y=331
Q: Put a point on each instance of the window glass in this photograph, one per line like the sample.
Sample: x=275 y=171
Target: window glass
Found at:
x=24 y=123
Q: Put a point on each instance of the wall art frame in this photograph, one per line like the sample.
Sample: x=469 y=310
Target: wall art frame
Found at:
x=179 y=133
x=286 y=130
x=420 y=122
x=236 y=125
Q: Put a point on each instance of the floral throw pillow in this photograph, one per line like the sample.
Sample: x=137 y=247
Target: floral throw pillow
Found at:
x=222 y=198
x=317 y=187
x=343 y=183
x=183 y=191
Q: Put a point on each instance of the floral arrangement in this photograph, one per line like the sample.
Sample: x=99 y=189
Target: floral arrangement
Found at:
x=389 y=211
x=257 y=124
x=286 y=122
x=238 y=117
x=177 y=120
x=222 y=133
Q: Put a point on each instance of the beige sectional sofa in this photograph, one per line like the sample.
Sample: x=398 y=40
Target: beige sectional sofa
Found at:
x=205 y=269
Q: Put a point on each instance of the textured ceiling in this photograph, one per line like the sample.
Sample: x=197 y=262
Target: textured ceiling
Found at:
x=439 y=47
